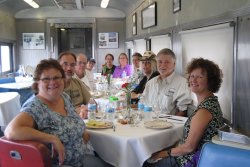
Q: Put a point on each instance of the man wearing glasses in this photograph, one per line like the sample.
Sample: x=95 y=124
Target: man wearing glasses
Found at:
x=74 y=87
x=81 y=72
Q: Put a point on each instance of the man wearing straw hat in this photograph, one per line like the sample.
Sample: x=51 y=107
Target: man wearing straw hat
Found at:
x=148 y=65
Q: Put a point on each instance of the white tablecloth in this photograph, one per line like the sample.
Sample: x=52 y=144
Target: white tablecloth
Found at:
x=17 y=85
x=9 y=107
x=131 y=146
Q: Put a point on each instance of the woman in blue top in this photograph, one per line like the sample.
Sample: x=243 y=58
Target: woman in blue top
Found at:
x=49 y=117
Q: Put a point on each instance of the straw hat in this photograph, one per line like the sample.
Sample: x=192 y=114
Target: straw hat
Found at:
x=147 y=56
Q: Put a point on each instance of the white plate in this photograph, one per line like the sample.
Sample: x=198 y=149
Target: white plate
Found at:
x=158 y=124
x=99 y=125
x=96 y=94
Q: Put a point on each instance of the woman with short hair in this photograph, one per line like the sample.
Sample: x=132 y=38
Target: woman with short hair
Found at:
x=124 y=67
x=108 y=67
x=204 y=78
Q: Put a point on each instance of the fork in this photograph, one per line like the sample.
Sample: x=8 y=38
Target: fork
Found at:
x=113 y=127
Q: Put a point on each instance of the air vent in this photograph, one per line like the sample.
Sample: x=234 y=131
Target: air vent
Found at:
x=69 y=4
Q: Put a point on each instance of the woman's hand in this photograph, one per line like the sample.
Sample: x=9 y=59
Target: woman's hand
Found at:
x=159 y=155
x=86 y=137
x=58 y=147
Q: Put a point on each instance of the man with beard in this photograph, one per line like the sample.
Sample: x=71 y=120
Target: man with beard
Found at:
x=74 y=87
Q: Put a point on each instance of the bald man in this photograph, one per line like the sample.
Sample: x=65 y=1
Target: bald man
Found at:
x=81 y=72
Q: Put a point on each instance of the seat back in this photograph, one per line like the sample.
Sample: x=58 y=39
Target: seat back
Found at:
x=6 y=80
x=23 y=154
x=215 y=155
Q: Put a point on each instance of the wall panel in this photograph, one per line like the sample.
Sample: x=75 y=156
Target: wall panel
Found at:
x=30 y=56
x=160 y=42
x=242 y=95
x=140 y=46
x=109 y=25
x=215 y=43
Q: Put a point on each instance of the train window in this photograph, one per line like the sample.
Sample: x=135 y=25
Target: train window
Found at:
x=5 y=58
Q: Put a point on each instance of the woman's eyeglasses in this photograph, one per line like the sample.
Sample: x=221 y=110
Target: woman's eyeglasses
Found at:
x=47 y=79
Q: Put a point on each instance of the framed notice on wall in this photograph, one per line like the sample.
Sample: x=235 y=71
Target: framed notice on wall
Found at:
x=134 y=21
x=176 y=6
x=33 y=41
x=108 y=40
x=149 y=16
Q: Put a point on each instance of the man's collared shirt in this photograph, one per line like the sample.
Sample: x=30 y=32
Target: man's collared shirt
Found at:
x=171 y=93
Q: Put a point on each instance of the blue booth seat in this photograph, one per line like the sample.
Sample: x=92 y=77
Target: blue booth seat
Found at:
x=6 y=80
x=215 y=155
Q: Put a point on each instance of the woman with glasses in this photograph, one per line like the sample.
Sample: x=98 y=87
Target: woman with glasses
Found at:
x=49 y=117
x=124 y=69
x=204 y=79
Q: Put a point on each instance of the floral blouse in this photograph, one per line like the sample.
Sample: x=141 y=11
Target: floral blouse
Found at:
x=68 y=128
x=106 y=70
x=212 y=105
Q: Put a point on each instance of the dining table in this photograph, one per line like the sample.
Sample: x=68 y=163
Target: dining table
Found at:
x=9 y=107
x=17 y=85
x=129 y=145
x=23 y=87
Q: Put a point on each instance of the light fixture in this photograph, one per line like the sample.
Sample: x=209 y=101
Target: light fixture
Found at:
x=104 y=3
x=78 y=4
x=32 y=3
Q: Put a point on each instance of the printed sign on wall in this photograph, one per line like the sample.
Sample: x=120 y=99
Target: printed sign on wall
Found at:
x=108 y=40
x=33 y=41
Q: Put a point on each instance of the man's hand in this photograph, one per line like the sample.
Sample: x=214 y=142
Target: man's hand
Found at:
x=134 y=95
x=86 y=137
x=82 y=111
x=159 y=155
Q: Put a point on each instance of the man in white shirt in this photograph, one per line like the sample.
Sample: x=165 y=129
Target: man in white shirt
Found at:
x=81 y=72
x=169 y=91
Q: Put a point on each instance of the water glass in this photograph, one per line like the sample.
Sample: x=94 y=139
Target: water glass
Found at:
x=101 y=110
x=156 y=110
x=136 y=116
x=122 y=108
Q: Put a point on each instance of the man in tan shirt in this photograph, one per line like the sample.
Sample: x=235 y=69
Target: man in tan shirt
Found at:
x=75 y=88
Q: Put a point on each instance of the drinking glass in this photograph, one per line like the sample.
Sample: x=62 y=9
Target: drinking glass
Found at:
x=122 y=108
x=157 y=109
x=136 y=116
x=101 y=110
